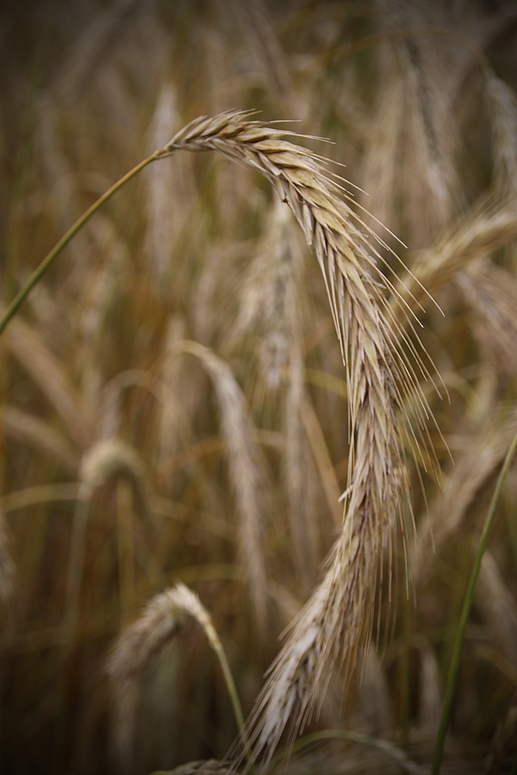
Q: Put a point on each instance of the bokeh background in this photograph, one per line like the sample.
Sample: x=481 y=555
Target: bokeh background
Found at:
x=131 y=458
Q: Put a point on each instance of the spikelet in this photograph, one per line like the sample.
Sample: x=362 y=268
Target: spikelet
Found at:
x=162 y=619
x=106 y=458
x=339 y=615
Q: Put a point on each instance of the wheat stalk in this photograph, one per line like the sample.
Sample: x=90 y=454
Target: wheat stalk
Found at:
x=246 y=468
x=339 y=615
x=162 y=619
x=381 y=380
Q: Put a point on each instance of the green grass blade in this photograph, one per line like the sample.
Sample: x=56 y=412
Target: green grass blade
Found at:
x=467 y=603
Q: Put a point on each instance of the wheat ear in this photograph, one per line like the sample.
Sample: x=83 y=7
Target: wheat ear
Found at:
x=339 y=615
x=163 y=617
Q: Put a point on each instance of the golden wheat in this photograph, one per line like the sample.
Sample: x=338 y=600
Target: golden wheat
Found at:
x=247 y=471
x=163 y=617
x=339 y=615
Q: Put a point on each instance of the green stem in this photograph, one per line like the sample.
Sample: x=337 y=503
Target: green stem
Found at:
x=230 y=683
x=217 y=646
x=467 y=603
x=65 y=239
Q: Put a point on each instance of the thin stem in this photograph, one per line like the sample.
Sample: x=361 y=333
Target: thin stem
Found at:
x=467 y=603
x=217 y=646
x=65 y=239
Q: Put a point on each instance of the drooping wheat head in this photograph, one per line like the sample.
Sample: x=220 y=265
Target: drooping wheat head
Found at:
x=338 y=617
x=163 y=617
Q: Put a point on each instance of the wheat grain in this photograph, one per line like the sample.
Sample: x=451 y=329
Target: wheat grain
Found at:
x=377 y=82
x=163 y=617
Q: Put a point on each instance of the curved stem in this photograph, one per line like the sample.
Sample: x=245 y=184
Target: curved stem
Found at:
x=217 y=646
x=467 y=603
x=65 y=239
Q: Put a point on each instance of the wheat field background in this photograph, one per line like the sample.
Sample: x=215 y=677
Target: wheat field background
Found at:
x=253 y=415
